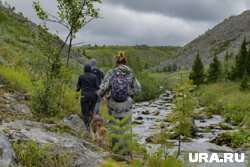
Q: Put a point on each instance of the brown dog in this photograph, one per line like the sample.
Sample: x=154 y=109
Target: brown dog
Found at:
x=97 y=129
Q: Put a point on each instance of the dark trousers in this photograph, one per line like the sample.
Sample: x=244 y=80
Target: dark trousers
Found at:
x=87 y=105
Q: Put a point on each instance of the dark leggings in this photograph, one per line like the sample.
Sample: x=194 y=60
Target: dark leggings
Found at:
x=87 y=105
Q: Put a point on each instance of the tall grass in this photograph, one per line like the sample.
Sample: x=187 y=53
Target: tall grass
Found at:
x=225 y=98
x=16 y=79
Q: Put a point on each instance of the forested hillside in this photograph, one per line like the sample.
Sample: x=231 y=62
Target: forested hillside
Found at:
x=148 y=56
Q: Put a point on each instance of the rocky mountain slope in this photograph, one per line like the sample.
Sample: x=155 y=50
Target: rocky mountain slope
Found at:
x=224 y=37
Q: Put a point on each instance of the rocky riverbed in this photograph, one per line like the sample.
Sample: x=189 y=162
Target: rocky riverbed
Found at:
x=149 y=120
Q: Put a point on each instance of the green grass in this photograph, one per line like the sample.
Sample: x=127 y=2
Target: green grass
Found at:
x=227 y=99
x=16 y=79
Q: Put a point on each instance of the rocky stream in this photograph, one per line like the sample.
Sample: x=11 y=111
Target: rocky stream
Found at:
x=149 y=120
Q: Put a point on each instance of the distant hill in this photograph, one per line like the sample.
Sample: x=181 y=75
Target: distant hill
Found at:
x=17 y=40
x=148 y=56
x=224 y=37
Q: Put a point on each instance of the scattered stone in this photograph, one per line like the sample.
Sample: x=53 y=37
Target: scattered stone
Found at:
x=203 y=121
x=157 y=112
x=10 y=98
x=225 y=126
x=138 y=122
x=145 y=112
x=21 y=108
x=6 y=152
x=139 y=118
x=203 y=116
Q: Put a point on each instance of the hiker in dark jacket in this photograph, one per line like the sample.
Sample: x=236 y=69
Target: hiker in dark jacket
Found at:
x=88 y=84
x=100 y=75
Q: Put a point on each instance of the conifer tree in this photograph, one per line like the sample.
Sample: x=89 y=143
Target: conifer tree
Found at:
x=241 y=60
x=183 y=111
x=197 y=74
x=244 y=82
x=226 y=72
x=122 y=136
x=214 y=71
x=248 y=63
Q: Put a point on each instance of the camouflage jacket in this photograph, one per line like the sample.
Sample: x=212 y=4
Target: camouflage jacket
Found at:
x=134 y=85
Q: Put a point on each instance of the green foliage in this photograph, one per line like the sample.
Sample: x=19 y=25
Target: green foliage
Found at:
x=73 y=15
x=44 y=102
x=244 y=82
x=150 y=87
x=214 y=71
x=156 y=161
x=121 y=131
x=183 y=111
x=197 y=74
x=170 y=68
x=30 y=154
x=16 y=79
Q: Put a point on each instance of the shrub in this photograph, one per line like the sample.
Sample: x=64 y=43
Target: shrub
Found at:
x=150 y=87
x=44 y=101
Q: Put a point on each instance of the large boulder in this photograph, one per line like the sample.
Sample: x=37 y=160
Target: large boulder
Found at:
x=75 y=122
x=6 y=151
x=85 y=153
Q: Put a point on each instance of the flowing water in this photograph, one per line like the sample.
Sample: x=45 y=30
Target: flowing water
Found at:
x=148 y=120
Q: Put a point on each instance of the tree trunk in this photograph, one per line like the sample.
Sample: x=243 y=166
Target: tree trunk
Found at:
x=179 y=146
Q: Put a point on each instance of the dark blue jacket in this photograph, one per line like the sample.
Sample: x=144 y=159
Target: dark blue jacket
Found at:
x=87 y=82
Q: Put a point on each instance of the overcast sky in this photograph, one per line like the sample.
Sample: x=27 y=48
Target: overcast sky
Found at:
x=150 y=22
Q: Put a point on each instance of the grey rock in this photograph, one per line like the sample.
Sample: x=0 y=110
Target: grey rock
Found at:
x=6 y=152
x=75 y=122
x=21 y=108
x=9 y=98
x=2 y=61
x=85 y=153
x=138 y=122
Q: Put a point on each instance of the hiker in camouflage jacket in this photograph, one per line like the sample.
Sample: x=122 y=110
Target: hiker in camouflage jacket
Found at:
x=120 y=109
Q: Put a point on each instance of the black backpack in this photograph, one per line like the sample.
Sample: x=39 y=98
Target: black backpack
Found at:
x=98 y=74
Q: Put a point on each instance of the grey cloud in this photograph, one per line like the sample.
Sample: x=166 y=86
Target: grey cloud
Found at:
x=152 y=22
x=201 y=10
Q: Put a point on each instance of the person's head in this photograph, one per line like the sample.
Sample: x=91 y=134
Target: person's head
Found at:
x=121 y=59
x=93 y=63
x=87 y=68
